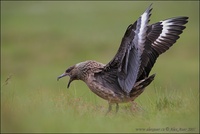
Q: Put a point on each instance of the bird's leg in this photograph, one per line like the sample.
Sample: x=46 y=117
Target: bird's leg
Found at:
x=117 y=107
x=109 y=108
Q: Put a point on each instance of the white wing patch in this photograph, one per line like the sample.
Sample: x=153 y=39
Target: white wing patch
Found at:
x=166 y=26
x=143 y=28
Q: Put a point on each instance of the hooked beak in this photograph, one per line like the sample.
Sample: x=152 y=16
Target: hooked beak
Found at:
x=62 y=75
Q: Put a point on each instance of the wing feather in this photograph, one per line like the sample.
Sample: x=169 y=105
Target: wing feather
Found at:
x=127 y=61
x=139 y=49
x=161 y=36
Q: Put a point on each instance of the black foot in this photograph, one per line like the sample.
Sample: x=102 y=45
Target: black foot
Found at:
x=117 y=107
x=109 y=108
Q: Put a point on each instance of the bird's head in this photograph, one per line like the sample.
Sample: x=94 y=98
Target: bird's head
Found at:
x=74 y=72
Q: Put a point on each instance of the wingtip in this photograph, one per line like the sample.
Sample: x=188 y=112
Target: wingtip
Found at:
x=148 y=10
x=150 y=7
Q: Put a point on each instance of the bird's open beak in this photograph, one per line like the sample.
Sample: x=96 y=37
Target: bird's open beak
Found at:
x=62 y=75
x=70 y=80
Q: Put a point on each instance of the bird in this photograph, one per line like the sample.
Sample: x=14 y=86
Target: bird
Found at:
x=126 y=76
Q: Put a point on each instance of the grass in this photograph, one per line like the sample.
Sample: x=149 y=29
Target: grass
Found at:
x=39 y=40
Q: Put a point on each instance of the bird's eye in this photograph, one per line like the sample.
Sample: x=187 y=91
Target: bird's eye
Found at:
x=69 y=69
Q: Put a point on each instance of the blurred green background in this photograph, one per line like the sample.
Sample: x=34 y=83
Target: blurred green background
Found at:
x=39 y=40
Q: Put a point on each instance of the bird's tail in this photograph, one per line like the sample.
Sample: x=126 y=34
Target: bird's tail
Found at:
x=140 y=86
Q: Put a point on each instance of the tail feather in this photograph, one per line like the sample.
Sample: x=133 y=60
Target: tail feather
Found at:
x=140 y=86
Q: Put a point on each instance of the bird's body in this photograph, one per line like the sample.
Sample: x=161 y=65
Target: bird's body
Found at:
x=100 y=88
x=125 y=77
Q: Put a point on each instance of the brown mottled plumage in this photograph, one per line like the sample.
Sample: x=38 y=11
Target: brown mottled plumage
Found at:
x=125 y=77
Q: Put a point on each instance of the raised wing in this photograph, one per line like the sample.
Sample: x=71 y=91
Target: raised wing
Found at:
x=160 y=37
x=127 y=61
x=139 y=49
